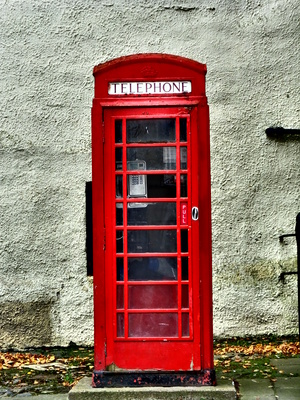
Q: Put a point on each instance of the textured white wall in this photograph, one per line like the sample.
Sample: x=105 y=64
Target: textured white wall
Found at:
x=48 y=50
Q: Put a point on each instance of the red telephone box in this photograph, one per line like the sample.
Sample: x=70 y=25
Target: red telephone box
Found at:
x=151 y=223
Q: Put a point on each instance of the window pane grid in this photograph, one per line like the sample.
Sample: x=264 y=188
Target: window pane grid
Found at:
x=178 y=325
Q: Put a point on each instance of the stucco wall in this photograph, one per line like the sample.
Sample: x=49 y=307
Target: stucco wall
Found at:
x=48 y=50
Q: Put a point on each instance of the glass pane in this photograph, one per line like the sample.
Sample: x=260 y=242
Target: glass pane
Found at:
x=154 y=157
x=152 y=186
x=183 y=185
x=119 y=158
x=120 y=325
x=120 y=296
x=185 y=296
x=151 y=214
x=118 y=131
x=185 y=268
x=150 y=130
x=183 y=130
x=119 y=214
x=119 y=186
x=183 y=158
x=119 y=241
x=184 y=241
x=185 y=328
x=152 y=297
x=159 y=186
x=156 y=241
x=153 y=325
x=152 y=269
x=120 y=269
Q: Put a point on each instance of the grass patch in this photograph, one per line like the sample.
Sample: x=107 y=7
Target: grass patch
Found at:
x=238 y=358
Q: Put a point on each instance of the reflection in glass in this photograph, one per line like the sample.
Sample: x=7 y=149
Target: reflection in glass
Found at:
x=152 y=186
x=152 y=297
x=155 y=158
x=120 y=325
x=119 y=214
x=161 y=186
x=185 y=331
x=119 y=186
x=184 y=241
x=119 y=241
x=150 y=130
x=118 y=131
x=151 y=214
x=153 y=325
x=183 y=158
x=152 y=269
x=152 y=241
x=119 y=158
x=120 y=269
x=183 y=130
x=185 y=296
x=183 y=185
x=184 y=268
x=120 y=296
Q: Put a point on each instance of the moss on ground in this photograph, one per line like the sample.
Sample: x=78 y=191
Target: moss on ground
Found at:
x=54 y=370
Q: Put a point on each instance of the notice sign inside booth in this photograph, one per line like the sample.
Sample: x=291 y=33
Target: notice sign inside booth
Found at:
x=161 y=87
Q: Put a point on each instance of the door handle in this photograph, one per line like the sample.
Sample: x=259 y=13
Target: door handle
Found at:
x=195 y=213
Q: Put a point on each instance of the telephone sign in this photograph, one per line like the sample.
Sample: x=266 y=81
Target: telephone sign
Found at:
x=149 y=87
x=151 y=223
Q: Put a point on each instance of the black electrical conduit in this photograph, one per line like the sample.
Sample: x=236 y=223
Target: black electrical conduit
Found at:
x=282 y=275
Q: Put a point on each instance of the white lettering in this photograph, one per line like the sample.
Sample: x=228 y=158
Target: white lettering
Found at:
x=158 y=87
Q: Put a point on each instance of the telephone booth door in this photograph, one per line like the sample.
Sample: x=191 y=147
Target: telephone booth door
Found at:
x=155 y=263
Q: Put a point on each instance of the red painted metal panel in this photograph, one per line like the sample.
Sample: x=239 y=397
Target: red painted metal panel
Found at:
x=162 y=322
x=98 y=238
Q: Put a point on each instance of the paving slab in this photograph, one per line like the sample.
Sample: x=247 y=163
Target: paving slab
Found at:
x=256 y=389
x=84 y=391
x=287 y=388
x=287 y=365
x=24 y=396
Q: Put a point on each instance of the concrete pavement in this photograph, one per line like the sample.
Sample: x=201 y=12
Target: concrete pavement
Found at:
x=282 y=388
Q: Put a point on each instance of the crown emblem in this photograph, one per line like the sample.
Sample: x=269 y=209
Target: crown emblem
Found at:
x=149 y=72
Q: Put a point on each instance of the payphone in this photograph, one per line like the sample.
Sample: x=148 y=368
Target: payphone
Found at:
x=151 y=223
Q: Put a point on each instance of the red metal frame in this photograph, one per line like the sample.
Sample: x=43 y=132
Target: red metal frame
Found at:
x=153 y=353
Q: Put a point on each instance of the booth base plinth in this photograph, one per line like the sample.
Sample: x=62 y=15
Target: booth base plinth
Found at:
x=121 y=378
x=84 y=391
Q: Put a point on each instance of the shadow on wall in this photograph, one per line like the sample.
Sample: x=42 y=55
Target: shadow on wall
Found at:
x=24 y=323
